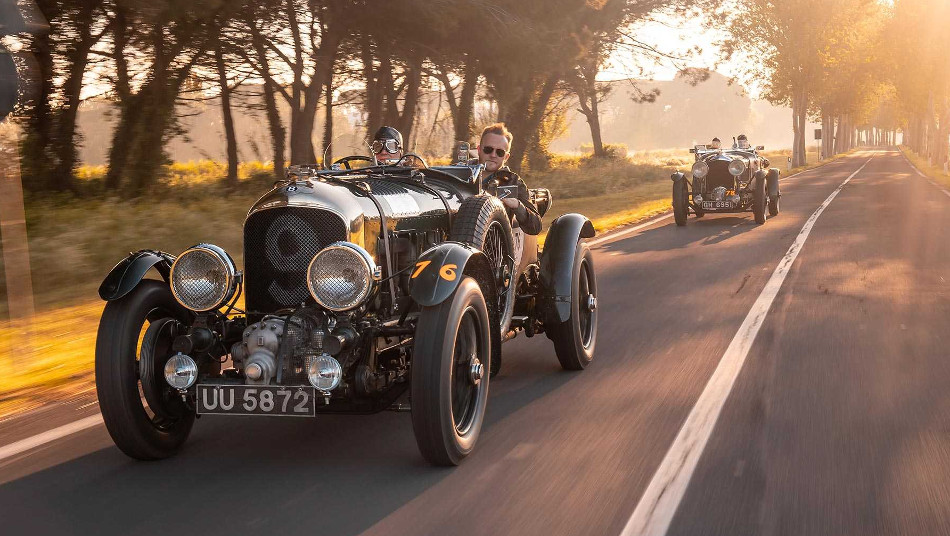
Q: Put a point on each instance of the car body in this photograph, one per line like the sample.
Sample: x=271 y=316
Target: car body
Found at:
x=361 y=286
x=727 y=180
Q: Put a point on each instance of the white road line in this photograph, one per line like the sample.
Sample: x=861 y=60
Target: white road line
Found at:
x=623 y=232
x=39 y=440
x=931 y=181
x=659 y=503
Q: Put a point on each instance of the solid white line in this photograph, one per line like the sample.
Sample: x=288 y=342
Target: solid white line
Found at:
x=38 y=440
x=656 y=508
x=623 y=232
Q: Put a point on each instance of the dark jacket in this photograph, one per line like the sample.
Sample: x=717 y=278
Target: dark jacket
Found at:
x=526 y=213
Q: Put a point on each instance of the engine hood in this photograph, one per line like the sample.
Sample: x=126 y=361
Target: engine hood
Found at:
x=405 y=206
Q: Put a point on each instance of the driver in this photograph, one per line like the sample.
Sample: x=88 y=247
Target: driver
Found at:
x=387 y=145
x=716 y=143
x=493 y=152
x=743 y=141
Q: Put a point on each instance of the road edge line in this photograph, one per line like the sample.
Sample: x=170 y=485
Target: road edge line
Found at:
x=30 y=443
x=659 y=503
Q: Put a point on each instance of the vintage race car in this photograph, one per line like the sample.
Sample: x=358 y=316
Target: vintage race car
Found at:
x=361 y=286
x=727 y=180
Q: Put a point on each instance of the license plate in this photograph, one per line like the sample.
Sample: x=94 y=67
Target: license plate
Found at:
x=256 y=400
x=717 y=204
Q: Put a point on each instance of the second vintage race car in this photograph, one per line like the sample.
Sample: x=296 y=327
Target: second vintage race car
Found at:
x=727 y=180
x=360 y=285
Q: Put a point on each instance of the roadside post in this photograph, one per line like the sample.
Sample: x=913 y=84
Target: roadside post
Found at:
x=818 y=143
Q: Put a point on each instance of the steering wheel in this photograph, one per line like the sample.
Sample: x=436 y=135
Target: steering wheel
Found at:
x=345 y=161
x=425 y=164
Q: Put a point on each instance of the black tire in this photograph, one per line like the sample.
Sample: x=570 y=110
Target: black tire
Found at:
x=772 y=183
x=680 y=202
x=140 y=430
x=448 y=405
x=575 y=339
x=483 y=222
x=760 y=199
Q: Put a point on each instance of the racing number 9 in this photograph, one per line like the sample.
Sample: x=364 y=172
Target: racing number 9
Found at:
x=446 y=272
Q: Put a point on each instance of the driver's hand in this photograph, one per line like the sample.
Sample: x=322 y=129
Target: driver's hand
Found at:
x=511 y=203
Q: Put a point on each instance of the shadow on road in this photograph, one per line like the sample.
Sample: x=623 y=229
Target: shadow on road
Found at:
x=710 y=230
x=251 y=475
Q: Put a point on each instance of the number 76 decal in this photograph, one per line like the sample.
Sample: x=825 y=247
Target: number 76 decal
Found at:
x=446 y=272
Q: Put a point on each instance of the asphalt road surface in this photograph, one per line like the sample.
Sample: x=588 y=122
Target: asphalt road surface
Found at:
x=838 y=421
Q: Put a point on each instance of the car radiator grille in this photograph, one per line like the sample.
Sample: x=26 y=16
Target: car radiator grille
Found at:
x=719 y=176
x=279 y=244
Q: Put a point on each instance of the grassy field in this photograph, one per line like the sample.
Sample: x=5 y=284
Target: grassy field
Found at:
x=75 y=242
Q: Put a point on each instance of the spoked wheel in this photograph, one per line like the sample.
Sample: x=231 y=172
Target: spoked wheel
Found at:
x=483 y=222
x=574 y=339
x=450 y=375
x=146 y=418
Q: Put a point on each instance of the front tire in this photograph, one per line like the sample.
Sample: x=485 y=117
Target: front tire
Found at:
x=680 y=202
x=139 y=430
x=574 y=339
x=760 y=200
x=772 y=179
x=450 y=375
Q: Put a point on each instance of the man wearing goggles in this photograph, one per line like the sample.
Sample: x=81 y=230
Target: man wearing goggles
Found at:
x=387 y=145
x=493 y=153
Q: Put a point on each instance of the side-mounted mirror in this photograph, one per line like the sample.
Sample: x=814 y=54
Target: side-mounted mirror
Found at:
x=759 y=147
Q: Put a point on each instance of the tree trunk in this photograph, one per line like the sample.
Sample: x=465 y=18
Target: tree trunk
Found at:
x=528 y=125
x=232 y=177
x=14 y=246
x=407 y=118
x=276 y=125
x=466 y=107
x=799 y=116
x=827 y=133
x=327 y=156
x=374 y=97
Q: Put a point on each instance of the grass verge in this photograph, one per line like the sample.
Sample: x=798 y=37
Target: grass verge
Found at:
x=934 y=172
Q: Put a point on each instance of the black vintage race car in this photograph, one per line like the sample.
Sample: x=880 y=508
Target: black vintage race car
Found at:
x=727 y=180
x=361 y=286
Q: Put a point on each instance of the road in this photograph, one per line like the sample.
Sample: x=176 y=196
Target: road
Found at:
x=837 y=421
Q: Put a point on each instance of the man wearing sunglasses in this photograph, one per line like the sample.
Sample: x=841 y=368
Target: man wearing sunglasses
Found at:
x=387 y=145
x=493 y=153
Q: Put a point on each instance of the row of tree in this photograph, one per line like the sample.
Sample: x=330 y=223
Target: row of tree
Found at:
x=864 y=68
x=307 y=56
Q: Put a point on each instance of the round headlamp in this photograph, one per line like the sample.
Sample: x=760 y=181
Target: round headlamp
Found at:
x=324 y=373
x=203 y=278
x=181 y=371
x=700 y=169
x=341 y=276
x=737 y=167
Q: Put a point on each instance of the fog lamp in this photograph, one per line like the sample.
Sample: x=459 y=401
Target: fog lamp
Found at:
x=181 y=371
x=324 y=373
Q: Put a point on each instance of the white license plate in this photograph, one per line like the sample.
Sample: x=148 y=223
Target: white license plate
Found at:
x=256 y=400
x=717 y=204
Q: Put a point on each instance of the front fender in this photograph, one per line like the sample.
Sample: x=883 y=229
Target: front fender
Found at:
x=439 y=270
x=557 y=263
x=132 y=269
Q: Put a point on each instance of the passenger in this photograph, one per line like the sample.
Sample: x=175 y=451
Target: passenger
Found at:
x=387 y=145
x=493 y=152
x=716 y=143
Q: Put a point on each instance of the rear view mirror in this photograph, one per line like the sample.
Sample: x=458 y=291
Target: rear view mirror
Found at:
x=541 y=197
x=759 y=147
